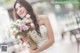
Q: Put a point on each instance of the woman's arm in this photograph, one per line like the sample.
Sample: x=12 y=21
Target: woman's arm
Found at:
x=50 y=41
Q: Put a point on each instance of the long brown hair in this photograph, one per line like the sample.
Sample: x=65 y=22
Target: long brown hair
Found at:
x=30 y=11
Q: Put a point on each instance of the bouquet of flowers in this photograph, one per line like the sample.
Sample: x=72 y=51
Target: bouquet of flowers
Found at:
x=23 y=27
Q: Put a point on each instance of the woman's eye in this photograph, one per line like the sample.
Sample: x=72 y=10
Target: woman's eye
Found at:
x=18 y=7
x=21 y=6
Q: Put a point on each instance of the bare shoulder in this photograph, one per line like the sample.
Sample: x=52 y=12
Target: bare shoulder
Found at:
x=42 y=18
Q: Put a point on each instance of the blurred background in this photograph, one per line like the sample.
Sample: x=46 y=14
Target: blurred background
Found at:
x=64 y=16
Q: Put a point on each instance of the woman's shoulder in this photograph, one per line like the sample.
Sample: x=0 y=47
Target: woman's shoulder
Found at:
x=41 y=17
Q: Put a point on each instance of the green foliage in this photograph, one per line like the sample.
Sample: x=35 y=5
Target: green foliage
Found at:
x=14 y=25
x=79 y=4
x=7 y=1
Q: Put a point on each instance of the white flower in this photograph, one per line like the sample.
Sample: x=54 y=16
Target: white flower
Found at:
x=27 y=16
x=18 y=22
x=14 y=29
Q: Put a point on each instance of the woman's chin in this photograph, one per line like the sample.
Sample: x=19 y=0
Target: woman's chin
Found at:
x=22 y=16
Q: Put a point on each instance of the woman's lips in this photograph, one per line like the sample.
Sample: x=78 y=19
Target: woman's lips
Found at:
x=22 y=14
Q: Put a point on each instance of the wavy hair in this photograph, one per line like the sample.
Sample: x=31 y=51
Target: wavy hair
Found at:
x=29 y=8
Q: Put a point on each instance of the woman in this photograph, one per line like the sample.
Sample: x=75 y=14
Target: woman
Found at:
x=44 y=37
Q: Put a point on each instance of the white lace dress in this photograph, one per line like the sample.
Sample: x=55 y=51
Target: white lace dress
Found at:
x=41 y=40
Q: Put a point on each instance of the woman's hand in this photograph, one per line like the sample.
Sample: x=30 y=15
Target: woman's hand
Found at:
x=33 y=51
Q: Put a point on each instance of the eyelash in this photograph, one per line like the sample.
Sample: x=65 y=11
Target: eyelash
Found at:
x=20 y=6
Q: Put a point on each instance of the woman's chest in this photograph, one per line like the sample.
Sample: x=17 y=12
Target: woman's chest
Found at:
x=36 y=37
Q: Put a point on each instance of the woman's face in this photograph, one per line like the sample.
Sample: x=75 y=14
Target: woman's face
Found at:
x=21 y=10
